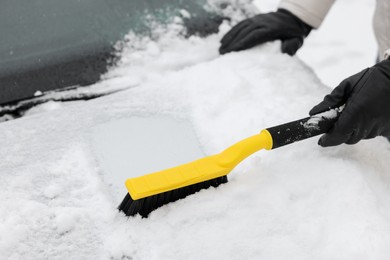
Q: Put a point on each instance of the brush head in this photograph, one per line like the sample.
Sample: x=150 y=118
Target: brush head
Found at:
x=146 y=205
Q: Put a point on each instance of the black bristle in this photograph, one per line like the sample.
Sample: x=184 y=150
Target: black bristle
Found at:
x=124 y=202
x=146 y=205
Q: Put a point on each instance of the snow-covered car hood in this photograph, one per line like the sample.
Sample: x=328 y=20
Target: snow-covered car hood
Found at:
x=59 y=194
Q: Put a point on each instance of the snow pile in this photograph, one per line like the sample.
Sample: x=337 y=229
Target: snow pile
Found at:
x=297 y=202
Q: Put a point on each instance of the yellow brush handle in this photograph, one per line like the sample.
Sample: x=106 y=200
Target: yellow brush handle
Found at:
x=244 y=148
x=201 y=170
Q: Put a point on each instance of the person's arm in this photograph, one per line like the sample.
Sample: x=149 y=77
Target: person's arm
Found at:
x=312 y=12
x=291 y=23
x=366 y=96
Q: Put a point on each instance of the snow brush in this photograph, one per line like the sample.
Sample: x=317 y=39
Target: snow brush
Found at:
x=149 y=192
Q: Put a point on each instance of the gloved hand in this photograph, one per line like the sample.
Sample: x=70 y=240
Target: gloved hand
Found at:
x=279 y=25
x=366 y=96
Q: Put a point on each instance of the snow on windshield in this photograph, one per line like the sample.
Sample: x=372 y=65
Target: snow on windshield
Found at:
x=59 y=188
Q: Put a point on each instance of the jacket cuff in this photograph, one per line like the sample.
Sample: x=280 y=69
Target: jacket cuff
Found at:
x=387 y=55
x=311 y=12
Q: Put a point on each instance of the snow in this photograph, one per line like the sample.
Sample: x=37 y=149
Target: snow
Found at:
x=60 y=183
x=314 y=120
x=163 y=140
x=345 y=42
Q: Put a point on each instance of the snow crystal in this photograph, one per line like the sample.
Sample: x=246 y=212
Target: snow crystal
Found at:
x=313 y=122
x=38 y=93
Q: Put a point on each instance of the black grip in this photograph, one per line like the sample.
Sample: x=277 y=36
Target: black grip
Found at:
x=301 y=129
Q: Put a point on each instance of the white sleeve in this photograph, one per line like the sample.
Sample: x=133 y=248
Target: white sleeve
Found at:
x=311 y=12
x=387 y=55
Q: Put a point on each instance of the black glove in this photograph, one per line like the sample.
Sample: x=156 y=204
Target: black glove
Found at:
x=279 y=25
x=366 y=96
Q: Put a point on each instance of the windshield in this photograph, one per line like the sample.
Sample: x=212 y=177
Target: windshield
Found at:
x=49 y=44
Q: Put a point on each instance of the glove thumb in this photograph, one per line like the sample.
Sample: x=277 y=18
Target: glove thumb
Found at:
x=330 y=101
x=335 y=99
x=290 y=46
x=340 y=94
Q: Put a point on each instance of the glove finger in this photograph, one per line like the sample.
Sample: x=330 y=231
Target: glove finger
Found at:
x=354 y=138
x=290 y=46
x=251 y=39
x=341 y=132
x=328 y=140
x=362 y=132
x=333 y=138
x=228 y=46
x=230 y=35
x=241 y=39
